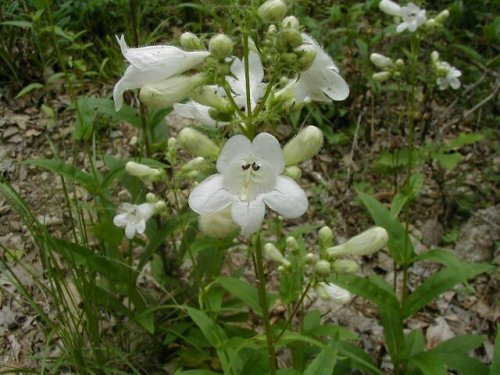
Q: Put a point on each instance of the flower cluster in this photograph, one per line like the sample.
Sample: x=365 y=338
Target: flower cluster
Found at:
x=410 y=15
x=447 y=75
x=390 y=68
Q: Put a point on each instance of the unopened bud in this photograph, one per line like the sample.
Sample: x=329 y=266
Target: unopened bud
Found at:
x=197 y=164
x=220 y=46
x=190 y=42
x=310 y=258
x=381 y=61
x=291 y=244
x=165 y=93
x=207 y=95
x=364 y=243
x=381 y=76
x=400 y=63
x=345 y=266
x=274 y=254
x=290 y=22
x=304 y=146
x=291 y=37
x=441 y=17
x=151 y=198
x=435 y=57
x=144 y=172
x=430 y=23
x=159 y=207
x=289 y=58
x=307 y=57
x=198 y=144
x=323 y=267
x=172 y=143
x=219 y=224
x=272 y=11
x=325 y=236
x=294 y=172
x=332 y=292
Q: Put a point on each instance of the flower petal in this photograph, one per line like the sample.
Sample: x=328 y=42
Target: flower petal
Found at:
x=130 y=230
x=237 y=147
x=266 y=147
x=120 y=220
x=390 y=7
x=198 y=112
x=287 y=198
x=209 y=196
x=248 y=215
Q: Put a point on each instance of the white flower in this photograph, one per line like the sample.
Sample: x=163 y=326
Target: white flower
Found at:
x=133 y=217
x=151 y=64
x=450 y=78
x=198 y=112
x=238 y=81
x=321 y=82
x=329 y=291
x=144 y=172
x=412 y=16
x=249 y=178
x=381 y=61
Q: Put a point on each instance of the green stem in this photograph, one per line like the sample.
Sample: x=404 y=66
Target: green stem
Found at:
x=259 y=271
x=411 y=147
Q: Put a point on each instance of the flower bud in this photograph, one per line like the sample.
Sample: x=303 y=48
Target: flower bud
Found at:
x=310 y=258
x=307 y=57
x=165 y=93
x=291 y=38
x=294 y=172
x=190 y=42
x=197 y=164
x=289 y=58
x=272 y=11
x=220 y=46
x=274 y=254
x=325 y=236
x=171 y=150
x=364 y=243
x=290 y=22
x=272 y=29
x=219 y=224
x=151 y=198
x=207 y=95
x=381 y=61
x=323 y=267
x=159 y=207
x=332 y=292
x=430 y=23
x=390 y=8
x=292 y=244
x=441 y=17
x=435 y=57
x=381 y=76
x=144 y=172
x=304 y=146
x=400 y=63
x=172 y=143
x=345 y=266
x=198 y=144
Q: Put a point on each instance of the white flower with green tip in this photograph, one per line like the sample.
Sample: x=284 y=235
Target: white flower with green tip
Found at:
x=450 y=76
x=152 y=64
x=249 y=179
x=412 y=16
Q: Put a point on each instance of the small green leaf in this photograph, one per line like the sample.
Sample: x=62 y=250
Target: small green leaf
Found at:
x=448 y=161
x=324 y=362
x=359 y=359
x=21 y=24
x=28 y=89
x=242 y=290
x=495 y=363
x=429 y=364
x=212 y=332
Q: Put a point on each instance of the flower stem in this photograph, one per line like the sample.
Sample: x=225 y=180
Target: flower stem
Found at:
x=259 y=272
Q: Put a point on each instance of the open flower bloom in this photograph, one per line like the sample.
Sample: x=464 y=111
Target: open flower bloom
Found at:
x=238 y=81
x=321 y=82
x=249 y=178
x=133 y=217
x=151 y=64
x=450 y=78
x=412 y=16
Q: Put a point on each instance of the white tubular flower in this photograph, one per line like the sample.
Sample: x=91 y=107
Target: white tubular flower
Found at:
x=197 y=144
x=238 y=82
x=198 y=112
x=390 y=7
x=304 y=146
x=451 y=77
x=144 y=172
x=151 y=64
x=364 y=243
x=381 y=61
x=332 y=292
x=133 y=217
x=249 y=178
x=413 y=17
x=322 y=81
x=274 y=254
x=163 y=94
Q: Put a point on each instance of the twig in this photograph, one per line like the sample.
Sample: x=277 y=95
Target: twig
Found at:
x=353 y=147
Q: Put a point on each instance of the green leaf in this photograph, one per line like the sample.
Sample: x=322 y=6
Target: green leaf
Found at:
x=429 y=364
x=28 y=89
x=197 y=372
x=448 y=161
x=70 y=171
x=21 y=24
x=399 y=243
x=445 y=257
x=324 y=362
x=460 y=344
x=359 y=359
x=243 y=291
x=212 y=332
x=463 y=139
x=414 y=343
x=495 y=363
